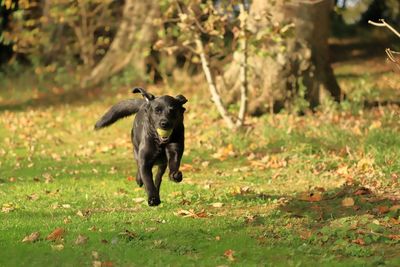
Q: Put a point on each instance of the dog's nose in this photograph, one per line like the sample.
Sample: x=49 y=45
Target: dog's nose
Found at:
x=164 y=124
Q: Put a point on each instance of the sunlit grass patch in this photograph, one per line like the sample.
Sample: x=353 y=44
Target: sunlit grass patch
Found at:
x=270 y=195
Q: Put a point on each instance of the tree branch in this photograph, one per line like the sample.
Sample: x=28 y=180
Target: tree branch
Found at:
x=383 y=23
x=243 y=68
x=389 y=52
x=211 y=84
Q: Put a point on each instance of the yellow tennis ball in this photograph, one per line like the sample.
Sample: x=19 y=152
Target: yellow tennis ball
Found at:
x=164 y=133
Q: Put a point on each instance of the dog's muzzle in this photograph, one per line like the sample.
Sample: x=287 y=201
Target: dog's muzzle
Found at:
x=164 y=134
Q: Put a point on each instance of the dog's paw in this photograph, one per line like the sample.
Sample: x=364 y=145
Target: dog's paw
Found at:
x=139 y=181
x=176 y=176
x=154 y=201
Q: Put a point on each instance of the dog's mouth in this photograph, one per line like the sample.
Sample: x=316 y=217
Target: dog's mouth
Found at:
x=164 y=134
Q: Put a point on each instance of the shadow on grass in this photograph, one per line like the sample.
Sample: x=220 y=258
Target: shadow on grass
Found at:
x=333 y=204
x=359 y=50
x=322 y=206
x=48 y=99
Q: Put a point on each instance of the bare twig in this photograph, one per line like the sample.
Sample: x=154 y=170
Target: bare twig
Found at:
x=199 y=50
x=383 y=23
x=211 y=84
x=389 y=52
x=243 y=69
x=392 y=58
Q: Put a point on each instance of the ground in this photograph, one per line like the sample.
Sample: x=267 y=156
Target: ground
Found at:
x=288 y=190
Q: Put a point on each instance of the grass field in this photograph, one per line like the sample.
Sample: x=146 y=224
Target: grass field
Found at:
x=314 y=190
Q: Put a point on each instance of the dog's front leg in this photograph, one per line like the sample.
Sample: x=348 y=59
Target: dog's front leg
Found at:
x=147 y=178
x=174 y=155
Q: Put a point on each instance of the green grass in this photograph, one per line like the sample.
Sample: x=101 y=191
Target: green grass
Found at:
x=55 y=171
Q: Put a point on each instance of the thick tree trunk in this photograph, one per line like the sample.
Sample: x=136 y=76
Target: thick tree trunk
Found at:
x=134 y=36
x=275 y=80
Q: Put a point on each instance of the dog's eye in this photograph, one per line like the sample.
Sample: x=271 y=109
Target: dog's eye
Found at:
x=158 y=110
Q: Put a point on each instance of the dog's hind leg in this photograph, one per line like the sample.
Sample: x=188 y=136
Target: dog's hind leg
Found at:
x=159 y=175
x=139 y=179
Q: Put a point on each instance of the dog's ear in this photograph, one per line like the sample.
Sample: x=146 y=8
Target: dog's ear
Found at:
x=182 y=100
x=145 y=94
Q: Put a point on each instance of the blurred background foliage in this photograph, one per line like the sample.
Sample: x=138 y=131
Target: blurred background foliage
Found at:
x=85 y=43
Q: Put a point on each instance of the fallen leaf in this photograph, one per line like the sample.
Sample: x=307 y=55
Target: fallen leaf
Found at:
x=31 y=238
x=305 y=234
x=383 y=209
x=224 y=152
x=394 y=237
x=32 y=197
x=57 y=247
x=229 y=254
x=358 y=241
x=96 y=263
x=362 y=191
x=80 y=214
x=186 y=167
x=67 y=220
x=56 y=234
x=348 y=202
x=311 y=197
x=205 y=164
x=95 y=255
x=394 y=208
x=139 y=200
x=128 y=234
x=81 y=239
x=7 y=207
x=217 y=204
x=191 y=213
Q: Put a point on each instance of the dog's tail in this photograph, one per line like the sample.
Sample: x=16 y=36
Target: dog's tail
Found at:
x=118 y=111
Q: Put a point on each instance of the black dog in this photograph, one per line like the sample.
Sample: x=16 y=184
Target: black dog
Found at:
x=157 y=136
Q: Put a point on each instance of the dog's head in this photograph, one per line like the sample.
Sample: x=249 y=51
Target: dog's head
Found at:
x=165 y=112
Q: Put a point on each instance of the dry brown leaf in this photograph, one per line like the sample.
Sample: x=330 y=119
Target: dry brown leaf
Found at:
x=7 y=207
x=32 y=197
x=358 y=241
x=31 y=238
x=348 y=202
x=130 y=178
x=305 y=234
x=229 y=254
x=394 y=208
x=191 y=213
x=217 y=204
x=57 y=247
x=311 y=197
x=186 y=167
x=95 y=255
x=224 y=152
x=80 y=214
x=394 y=237
x=57 y=234
x=362 y=191
x=81 y=239
x=139 y=200
x=383 y=209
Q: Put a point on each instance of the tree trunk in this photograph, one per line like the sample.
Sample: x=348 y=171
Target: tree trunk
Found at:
x=133 y=38
x=276 y=80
